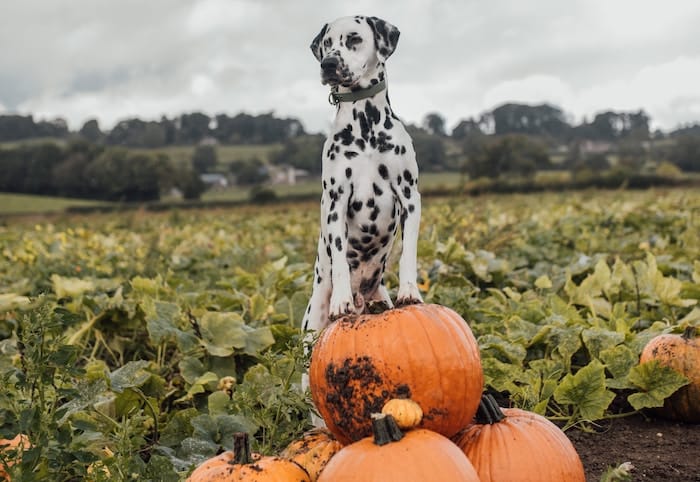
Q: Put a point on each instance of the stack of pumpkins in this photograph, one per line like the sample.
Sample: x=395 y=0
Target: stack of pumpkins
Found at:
x=401 y=395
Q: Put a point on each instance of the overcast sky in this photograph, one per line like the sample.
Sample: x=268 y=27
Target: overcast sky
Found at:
x=124 y=58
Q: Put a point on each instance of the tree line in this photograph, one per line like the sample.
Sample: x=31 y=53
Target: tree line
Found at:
x=86 y=170
x=512 y=140
x=187 y=129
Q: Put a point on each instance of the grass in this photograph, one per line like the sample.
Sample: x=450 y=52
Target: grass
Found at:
x=26 y=203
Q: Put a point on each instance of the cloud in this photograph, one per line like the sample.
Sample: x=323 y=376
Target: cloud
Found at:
x=85 y=58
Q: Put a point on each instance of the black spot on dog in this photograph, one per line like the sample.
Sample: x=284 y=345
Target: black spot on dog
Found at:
x=407 y=192
x=338 y=243
x=357 y=205
x=377 y=190
x=370 y=202
x=407 y=175
x=367 y=239
x=403 y=149
x=348 y=173
x=350 y=155
x=372 y=113
x=411 y=208
x=375 y=214
x=345 y=136
x=360 y=143
x=384 y=240
x=332 y=181
x=383 y=171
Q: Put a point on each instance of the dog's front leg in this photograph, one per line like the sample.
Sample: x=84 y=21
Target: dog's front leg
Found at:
x=408 y=271
x=336 y=240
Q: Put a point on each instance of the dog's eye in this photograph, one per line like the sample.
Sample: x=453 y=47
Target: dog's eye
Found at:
x=353 y=40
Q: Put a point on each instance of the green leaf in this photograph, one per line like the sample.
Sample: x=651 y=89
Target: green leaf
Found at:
x=656 y=382
x=226 y=333
x=586 y=391
x=133 y=374
x=618 y=360
x=218 y=403
x=178 y=427
x=499 y=375
x=599 y=339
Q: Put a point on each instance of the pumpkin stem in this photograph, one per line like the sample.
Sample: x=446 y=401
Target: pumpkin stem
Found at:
x=489 y=411
x=241 y=448
x=690 y=332
x=385 y=429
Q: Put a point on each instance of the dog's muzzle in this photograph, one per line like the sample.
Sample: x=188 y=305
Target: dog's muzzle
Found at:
x=329 y=71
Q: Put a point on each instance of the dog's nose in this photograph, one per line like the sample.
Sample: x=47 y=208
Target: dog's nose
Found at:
x=329 y=63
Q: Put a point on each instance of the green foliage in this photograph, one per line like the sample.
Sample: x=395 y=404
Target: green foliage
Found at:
x=120 y=336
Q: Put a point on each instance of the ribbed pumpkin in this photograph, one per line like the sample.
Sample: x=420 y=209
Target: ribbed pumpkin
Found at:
x=515 y=445
x=389 y=455
x=406 y=412
x=682 y=353
x=238 y=466
x=313 y=451
x=425 y=352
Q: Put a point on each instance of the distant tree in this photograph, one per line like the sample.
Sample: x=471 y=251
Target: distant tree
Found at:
x=91 y=131
x=302 y=152
x=539 y=120
x=16 y=127
x=118 y=175
x=40 y=164
x=262 y=129
x=467 y=128
x=249 y=171
x=192 y=128
x=611 y=126
x=434 y=123
x=137 y=133
x=430 y=149
x=685 y=153
x=204 y=158
x=69 y=177
x=507 y=155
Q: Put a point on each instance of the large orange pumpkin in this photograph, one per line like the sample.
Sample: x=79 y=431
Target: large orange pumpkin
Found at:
x=239 y=466
x=313 y=451
x=515 y=445
x=682 y=353
x=391 y=456
x=424 y=352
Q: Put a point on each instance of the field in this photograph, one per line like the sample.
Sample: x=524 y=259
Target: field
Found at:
x=115 y=330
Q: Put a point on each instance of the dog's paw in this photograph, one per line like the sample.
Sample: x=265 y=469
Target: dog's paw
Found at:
x=408 y=294
x=341 y=307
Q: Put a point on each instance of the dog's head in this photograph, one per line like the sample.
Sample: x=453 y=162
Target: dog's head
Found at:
x=350 y=47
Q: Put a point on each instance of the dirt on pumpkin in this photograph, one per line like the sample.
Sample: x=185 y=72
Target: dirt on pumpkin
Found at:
x=659 y=450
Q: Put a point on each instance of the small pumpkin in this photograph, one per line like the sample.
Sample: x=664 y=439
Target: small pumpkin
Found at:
x=682 y=353
x=405 y=411
x=390 y=455
x=239 y=466
x=518 y=446
x=425 y=352
x=313 y=451
x=20 y=443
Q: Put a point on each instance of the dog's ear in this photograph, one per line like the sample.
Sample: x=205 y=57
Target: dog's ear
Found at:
x=386 y=36
x=316 y=43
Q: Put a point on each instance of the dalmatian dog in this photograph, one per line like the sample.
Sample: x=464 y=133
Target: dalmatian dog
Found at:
x=369 y=178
